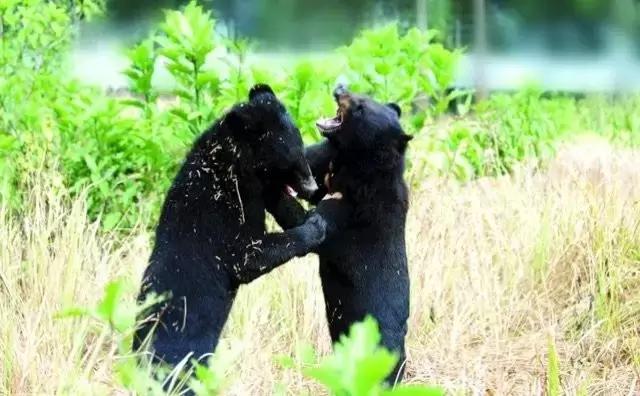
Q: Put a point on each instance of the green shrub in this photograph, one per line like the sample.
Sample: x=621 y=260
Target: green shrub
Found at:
x=508 y=129
x=359 y=365
x=524 y=125
x=410 y=69
x=187 y=40
x=124 y=151
x=211 y=72
x=617 y=119
x=35 y=35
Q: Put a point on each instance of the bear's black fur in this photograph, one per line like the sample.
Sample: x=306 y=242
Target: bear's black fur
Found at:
x=363 y=265
x=211 y=235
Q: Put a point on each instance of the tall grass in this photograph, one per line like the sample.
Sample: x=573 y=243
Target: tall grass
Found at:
x=499 y=268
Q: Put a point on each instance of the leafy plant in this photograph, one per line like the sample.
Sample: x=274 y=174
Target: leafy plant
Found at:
x=34 y=35
x=234 y=87
x=359 y=365
x=410 y=69
x=142 y=58
x=525 y=125
x=307 y=94
x=186 y=43
x=123 y=152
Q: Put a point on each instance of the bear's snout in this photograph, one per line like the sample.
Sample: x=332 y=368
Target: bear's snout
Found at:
x=308 y=187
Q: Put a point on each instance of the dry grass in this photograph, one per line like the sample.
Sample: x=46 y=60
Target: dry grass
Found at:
x=499 y=267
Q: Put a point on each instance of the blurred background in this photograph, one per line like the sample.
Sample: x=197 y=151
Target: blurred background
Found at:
x=566 y=45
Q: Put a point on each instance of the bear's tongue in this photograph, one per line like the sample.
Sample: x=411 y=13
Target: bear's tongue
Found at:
x=290 y=191
x=328 y=124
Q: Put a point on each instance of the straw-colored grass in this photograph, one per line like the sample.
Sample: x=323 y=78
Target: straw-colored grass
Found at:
x=503 y=272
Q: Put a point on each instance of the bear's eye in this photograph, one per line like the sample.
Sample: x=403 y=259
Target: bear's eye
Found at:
x=359 y=109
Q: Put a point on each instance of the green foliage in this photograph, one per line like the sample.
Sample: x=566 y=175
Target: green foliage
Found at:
x=553 y=370
x=120 y=158
x=111 y=309
x=458 y=149
x=142 y=61
x=212 y=379
x=526 y=125
x=306 y=93
x=508 y=129
x=124 y=151
x=186 y=43
x=234 y=87
x=46 y=117
x=34 y=35
x=410 y=69
x=616 y=119
x=359 y=365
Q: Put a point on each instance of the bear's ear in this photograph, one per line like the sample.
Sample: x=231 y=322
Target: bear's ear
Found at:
x=403 y=141
x=395 y=107
x=259 y=90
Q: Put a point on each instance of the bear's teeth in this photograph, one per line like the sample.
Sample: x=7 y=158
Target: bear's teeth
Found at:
x=328 y=125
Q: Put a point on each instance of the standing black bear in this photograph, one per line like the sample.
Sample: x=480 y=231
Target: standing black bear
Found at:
x=211 y=235
x=363 y=266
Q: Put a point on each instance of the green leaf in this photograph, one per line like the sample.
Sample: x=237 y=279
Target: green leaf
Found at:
x=327 y=377
x=208 y=78
x=8 y=142
x=111 y=220
x=358 y=365
x=112 y=308
x=370 y=372
x=180 y=113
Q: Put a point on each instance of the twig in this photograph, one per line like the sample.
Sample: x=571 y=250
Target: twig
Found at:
x=235 y=180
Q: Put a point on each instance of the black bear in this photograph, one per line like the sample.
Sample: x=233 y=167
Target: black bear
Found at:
x=211 y=235
x=363 y=265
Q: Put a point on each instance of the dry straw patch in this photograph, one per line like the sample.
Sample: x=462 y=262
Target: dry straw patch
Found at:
x=499 y=268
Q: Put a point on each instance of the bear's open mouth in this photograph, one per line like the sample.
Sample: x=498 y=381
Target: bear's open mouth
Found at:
x=328 y=126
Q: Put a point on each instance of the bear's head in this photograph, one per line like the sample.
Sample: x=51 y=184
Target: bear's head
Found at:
x=277 y=149
x=363 y=125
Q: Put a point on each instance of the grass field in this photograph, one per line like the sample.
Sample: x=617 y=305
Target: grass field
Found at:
x=516 y=282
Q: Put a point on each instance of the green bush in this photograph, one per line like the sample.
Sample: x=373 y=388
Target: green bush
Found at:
x=34 y=36
x=508 y=129
x=359 y=365
x=403 y=68
x=524 y=125
x=124 y=151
